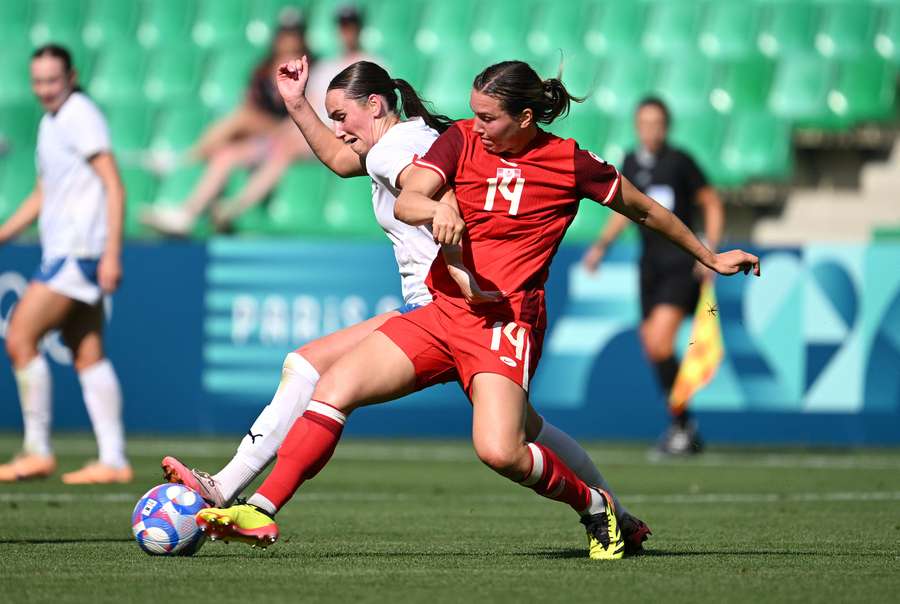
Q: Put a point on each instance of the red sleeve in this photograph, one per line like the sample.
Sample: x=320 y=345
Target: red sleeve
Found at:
x=594 y=178
x=443 y=156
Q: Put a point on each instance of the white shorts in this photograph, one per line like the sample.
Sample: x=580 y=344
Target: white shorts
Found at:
x=74 y=278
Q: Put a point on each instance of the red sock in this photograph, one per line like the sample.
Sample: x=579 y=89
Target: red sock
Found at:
x=551 y=478
x=306 y=449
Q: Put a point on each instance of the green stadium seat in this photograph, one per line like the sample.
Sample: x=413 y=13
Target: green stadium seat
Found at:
x=757 y=146
x=701 y=134
x=730 y=29
x=219 y=23
x=558 y=27
x=388 y=24
x=321 y=30
x=17 y=179
x=589 y=221
x=265 y=15
x=401 y=63
x=847 y=29
x=499 y=31
x=450 y=83
x=297 y=206
x=625 y=78
x=14 y=20
x=800 y=89
x=671 y=27
x=864 y=90
x=586 y=125
x=226 y=78
x=445 y=27
x=788 y=28
x=119 y=75
x=348 y=208
x=15 y=75
x=743 y=84
x=175 y=187
x=579 y=71
x=173 y=74
x=140 y=190
x=614 y=27
x=57 y=21
x=685 y=81
x=620 y=140
x=19 y=124
x=165 y=22
x=887 y=40
x=179 y=127
x=110 y=24
x=131 y=128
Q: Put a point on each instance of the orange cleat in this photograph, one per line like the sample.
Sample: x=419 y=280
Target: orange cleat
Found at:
x=98 y=473
x=26 y=466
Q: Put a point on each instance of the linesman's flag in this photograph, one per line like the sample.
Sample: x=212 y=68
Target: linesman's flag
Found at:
x=703 y=354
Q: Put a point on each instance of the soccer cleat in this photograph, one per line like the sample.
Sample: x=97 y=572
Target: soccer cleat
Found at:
x=680 y=440
x=194 y=479
x=604 y=538
x=634 y=533
x=244 y=522
x=27 y=466
x=99 y=473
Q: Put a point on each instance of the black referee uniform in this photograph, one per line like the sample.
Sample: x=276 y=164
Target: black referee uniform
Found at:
x=672 y=178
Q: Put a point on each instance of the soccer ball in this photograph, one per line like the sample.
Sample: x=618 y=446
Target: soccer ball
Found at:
x=163 y=521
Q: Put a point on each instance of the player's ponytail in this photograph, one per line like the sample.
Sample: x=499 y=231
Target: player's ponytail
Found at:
x=363 y=78
x=518 y=87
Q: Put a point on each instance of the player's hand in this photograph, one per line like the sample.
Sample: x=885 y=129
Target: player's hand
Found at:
x=109 y=272
x=734 y=261
x=447 y=227
x=593 y=257
x=470 y=289
x=291 y=79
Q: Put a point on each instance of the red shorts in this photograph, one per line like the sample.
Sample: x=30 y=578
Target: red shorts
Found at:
x=447 y=342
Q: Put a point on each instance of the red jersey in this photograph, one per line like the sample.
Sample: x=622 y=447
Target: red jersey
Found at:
x=516 y=207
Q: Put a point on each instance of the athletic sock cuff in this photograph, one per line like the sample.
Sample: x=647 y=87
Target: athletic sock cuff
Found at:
x=298 y=364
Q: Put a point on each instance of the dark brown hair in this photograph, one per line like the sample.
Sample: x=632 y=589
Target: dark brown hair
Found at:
x=518 y=87
x=363 y=78
x=655 y=101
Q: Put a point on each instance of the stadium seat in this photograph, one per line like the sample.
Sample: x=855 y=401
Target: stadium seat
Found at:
x=297 y=206
x=624 y=78
x=671 y=27
x=559 y=27
x=17 y=179
x=321 y=30
x=14 y=20
x=401 y=63
x=700 y=134
x=226 y=77
x=219 y=23
x=887 y=40
x=15 y=75
x=620 y=140
x=110 y=24
x=18 y=126
x=173 y=74
x=788 y=27
x=57 y=21
x=586 y=125
x=264 y=16
x=589 y=221
x=140 y=190
x=498 y=33
x=131 y=126
x=445 y=27
x=579 y=72
x=800 y=89
x=165 y=22
x=348 y=208
x=614 y=27
x=864 y=90
x=388 y=24
x=175 y=187
x=119 y=75
x=847 y=29
x=179 y=127
x=756 y=146
x=730 y=29
x=449 y=84
x=684 y=81
x=743 y=84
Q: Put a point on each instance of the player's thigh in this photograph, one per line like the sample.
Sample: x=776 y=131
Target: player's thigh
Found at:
x=375 y=371
x=499 y=410
x=323 y=352
x=82 y=332
x=38 y=311
x=659 y=329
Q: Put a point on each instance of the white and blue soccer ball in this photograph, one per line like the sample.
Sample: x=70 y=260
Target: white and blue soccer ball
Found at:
x=163 y=521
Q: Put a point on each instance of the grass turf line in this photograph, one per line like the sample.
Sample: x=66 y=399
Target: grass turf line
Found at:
x=430 y=523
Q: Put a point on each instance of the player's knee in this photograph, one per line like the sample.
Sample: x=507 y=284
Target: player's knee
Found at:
x=311 y=353
x=502 y=459
x=19 y=348
x=332 y=391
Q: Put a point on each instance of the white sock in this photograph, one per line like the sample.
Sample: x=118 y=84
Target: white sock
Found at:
x=103 y=399
x=574 y=456
x=35 y=394
x=262 y=503
x=258 y=448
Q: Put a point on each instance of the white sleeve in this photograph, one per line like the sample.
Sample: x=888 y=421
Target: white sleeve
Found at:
x=386 y=162
x=88 y=130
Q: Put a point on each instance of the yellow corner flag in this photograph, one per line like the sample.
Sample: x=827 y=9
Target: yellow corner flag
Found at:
x=703 y=354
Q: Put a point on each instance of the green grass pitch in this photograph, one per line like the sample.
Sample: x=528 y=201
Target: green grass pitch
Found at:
x=423 y=521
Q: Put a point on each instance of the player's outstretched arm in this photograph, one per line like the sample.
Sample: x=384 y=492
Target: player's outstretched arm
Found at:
x=630 y=202
x=340 y=159
x=26 y=214
x=416 y=206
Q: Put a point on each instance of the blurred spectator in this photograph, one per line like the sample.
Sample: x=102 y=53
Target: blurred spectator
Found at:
x=257 y=134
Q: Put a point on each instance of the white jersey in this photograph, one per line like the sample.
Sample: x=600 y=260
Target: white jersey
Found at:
x=414 y=247
x=73 y=206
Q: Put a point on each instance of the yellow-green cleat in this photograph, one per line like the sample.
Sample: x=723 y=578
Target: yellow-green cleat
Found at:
x=245 y=522
x=604 y=538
